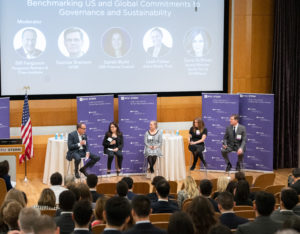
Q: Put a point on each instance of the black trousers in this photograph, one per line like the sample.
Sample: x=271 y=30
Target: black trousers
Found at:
x=197 y=151
x=111 y=155
x=81 y=154
x=226 y=151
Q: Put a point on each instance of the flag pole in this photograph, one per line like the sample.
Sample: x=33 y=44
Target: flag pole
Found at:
x=25 y=178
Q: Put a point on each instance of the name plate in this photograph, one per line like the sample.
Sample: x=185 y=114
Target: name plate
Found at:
x=11 y=150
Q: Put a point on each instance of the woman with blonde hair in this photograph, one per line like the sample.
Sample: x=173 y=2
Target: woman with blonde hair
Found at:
x=188 y=190
x=47 y=200
x=221 y=186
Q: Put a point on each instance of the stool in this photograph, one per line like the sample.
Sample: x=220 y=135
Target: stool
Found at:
x=158 y=165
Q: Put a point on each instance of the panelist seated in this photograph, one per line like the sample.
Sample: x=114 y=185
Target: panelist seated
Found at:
x=113 y=144
x=78 y=148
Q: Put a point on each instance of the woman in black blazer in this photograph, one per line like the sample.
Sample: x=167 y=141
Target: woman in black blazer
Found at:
x=113 y=144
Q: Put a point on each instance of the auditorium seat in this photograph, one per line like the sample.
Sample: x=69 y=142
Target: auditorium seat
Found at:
x=173 y=186
x=214 y=184
x=106 y=188
x=274 y=188
x=237 y=208
x=186 y=204
x=249 y=179
x=161 y=225
x=264 y=180
x=255 y=189
x=3 y=190
x=247 y=214
x=141 y=188
x=163 y=217
x=48 y=212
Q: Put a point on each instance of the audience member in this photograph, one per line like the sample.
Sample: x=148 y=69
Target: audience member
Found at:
x=64 y=221
x=27 y=217
x=17 y=195
x=219 y=229
x=4 y=169
x=129 y=182
x=117 y=214
x=47 y=200
x=180 y=223
x=292 y=223
x=11 y=214
x=288 y=201
x=231 y=186
x=228 y=217
x=222 y=183
x=99 y=208
x=163 y=205
x=82 y=215
x=188 y=190
x=84 y=192
x=45 y=224
x=239 y=175
x=202 y=213
x=92 y=181
x=141 y=209
x=206 y=190
x=75 y=190
x=56 y=185
x=263 y=224
x=242 y=194
x=296 y=180
x=153 y=196
x=122 y=189
x=69 y=179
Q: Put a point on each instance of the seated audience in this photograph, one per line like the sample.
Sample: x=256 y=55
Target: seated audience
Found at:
x=242 y=194
x=45 y=224
x=84 y=192
x=11 y=214
x=4 y=169
x=98 y=213
x=153 y=196
x=188 y=190
x=231 y=187
x=202 y=213
x=263 y=224
x=180 y=223
x=27 y=218
x=221 y=186
x=292 y=223
x=17 y=195
x=82 y=215
x=295 y=184
x=239 y=175
x=122 y=189
x=129 y=182
x=75 y=190
x=92 y=181
x=205 y=190
x=47 y=200
x=228 y=217
x=288 y=200
x=219 y=229
x=141 y=209
x=163 y=205
x=56 y=184
x=69 y=179
x=117 y=214
x=64 y=221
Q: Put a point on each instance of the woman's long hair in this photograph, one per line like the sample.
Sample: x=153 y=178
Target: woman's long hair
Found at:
x=242 y=191
x=190 y=187
x=47 y=198
x=222 y=183
x=117 y=126
x=201 y=124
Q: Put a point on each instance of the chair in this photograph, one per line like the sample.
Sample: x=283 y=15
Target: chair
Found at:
x=238 y=208
x=161 y=225
x=274 y=188
x=106 y=188
x=98 y=229
x=277 y=197
x=255 y=189
x=247 y=214
x=214 y=184
x=249 y=179
x=48 y=212
x=173 y=186
x=186 y=203
x=141 y=187
x=264 y=180
x=174 y=195
x=3 y=190
x=163 y=217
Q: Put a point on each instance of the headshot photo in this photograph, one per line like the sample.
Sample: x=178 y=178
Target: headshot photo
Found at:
x=157 y=42
x=116 y=42
x=73 y=42
x=29 y=43
x=197 y=43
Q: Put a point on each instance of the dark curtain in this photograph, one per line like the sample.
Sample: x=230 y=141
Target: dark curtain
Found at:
x=286 y=83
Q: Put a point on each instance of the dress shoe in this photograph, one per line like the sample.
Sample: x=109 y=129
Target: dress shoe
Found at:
x=77 y=175
x=192 y=168
x=228 y=168
x=83 y=171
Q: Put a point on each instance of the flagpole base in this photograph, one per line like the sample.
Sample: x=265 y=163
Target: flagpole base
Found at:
x=25 y=179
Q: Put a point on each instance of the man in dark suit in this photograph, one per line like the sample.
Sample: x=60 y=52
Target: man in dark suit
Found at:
x=82 y=215
x=92 y=181
x=296 y=180
x=117 y=215
x=228 y=217
x=141 y=209
x=28 y=49
x=78 y=148
x=234 y=140
x=129 y=182
x=288 y=201
x=263 y=224
x=163 y=205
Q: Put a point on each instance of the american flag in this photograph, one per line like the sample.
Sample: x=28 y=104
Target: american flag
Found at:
x=26 y=132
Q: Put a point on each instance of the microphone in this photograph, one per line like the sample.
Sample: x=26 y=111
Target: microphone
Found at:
x=83 y=137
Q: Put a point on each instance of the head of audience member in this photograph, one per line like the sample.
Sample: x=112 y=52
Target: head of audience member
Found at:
x=219 y=229
x=288 y=198
x=163 y=189
x=202 y=223
x=225 y=202
x=29 y=37
x=129 y=182
x=66 y=200
x=141 y=208
x=234 y=119
x=231 y=186
x=206 y=187
x=27 y=218
x=240 y=175
x=17 y=195
x=73 y=40
x=122 y=188
x=84 y=191
x=296 y=174
x=180 y=223
x=82 y=214
x=69 y=179
x=11 y=214
x=242 y=191
x=4 y=168
x=155 y=180
x=99 y=208
x=72 y=187
x=92 y=181
x=222 y=183
x=45 y=224
x=117 y=212
x=293 y=222
x=56 y=179
x=47 y=198
x=190 y=187
x=264 y=203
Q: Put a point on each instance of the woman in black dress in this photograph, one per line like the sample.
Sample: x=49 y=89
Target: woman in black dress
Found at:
x=113 y=144
x=198 y=135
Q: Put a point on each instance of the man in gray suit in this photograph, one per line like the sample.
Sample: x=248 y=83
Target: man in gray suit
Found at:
x=234 y=140
x=78 y=148
x=263 y=224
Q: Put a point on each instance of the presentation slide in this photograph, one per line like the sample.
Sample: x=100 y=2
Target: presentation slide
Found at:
x=111 y=46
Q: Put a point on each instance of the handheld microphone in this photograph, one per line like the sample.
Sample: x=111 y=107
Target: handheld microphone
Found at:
x=83 y=137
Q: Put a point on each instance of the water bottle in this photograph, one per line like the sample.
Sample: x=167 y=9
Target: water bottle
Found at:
x=177 y=132
x=61 y=136
x=56 y=136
